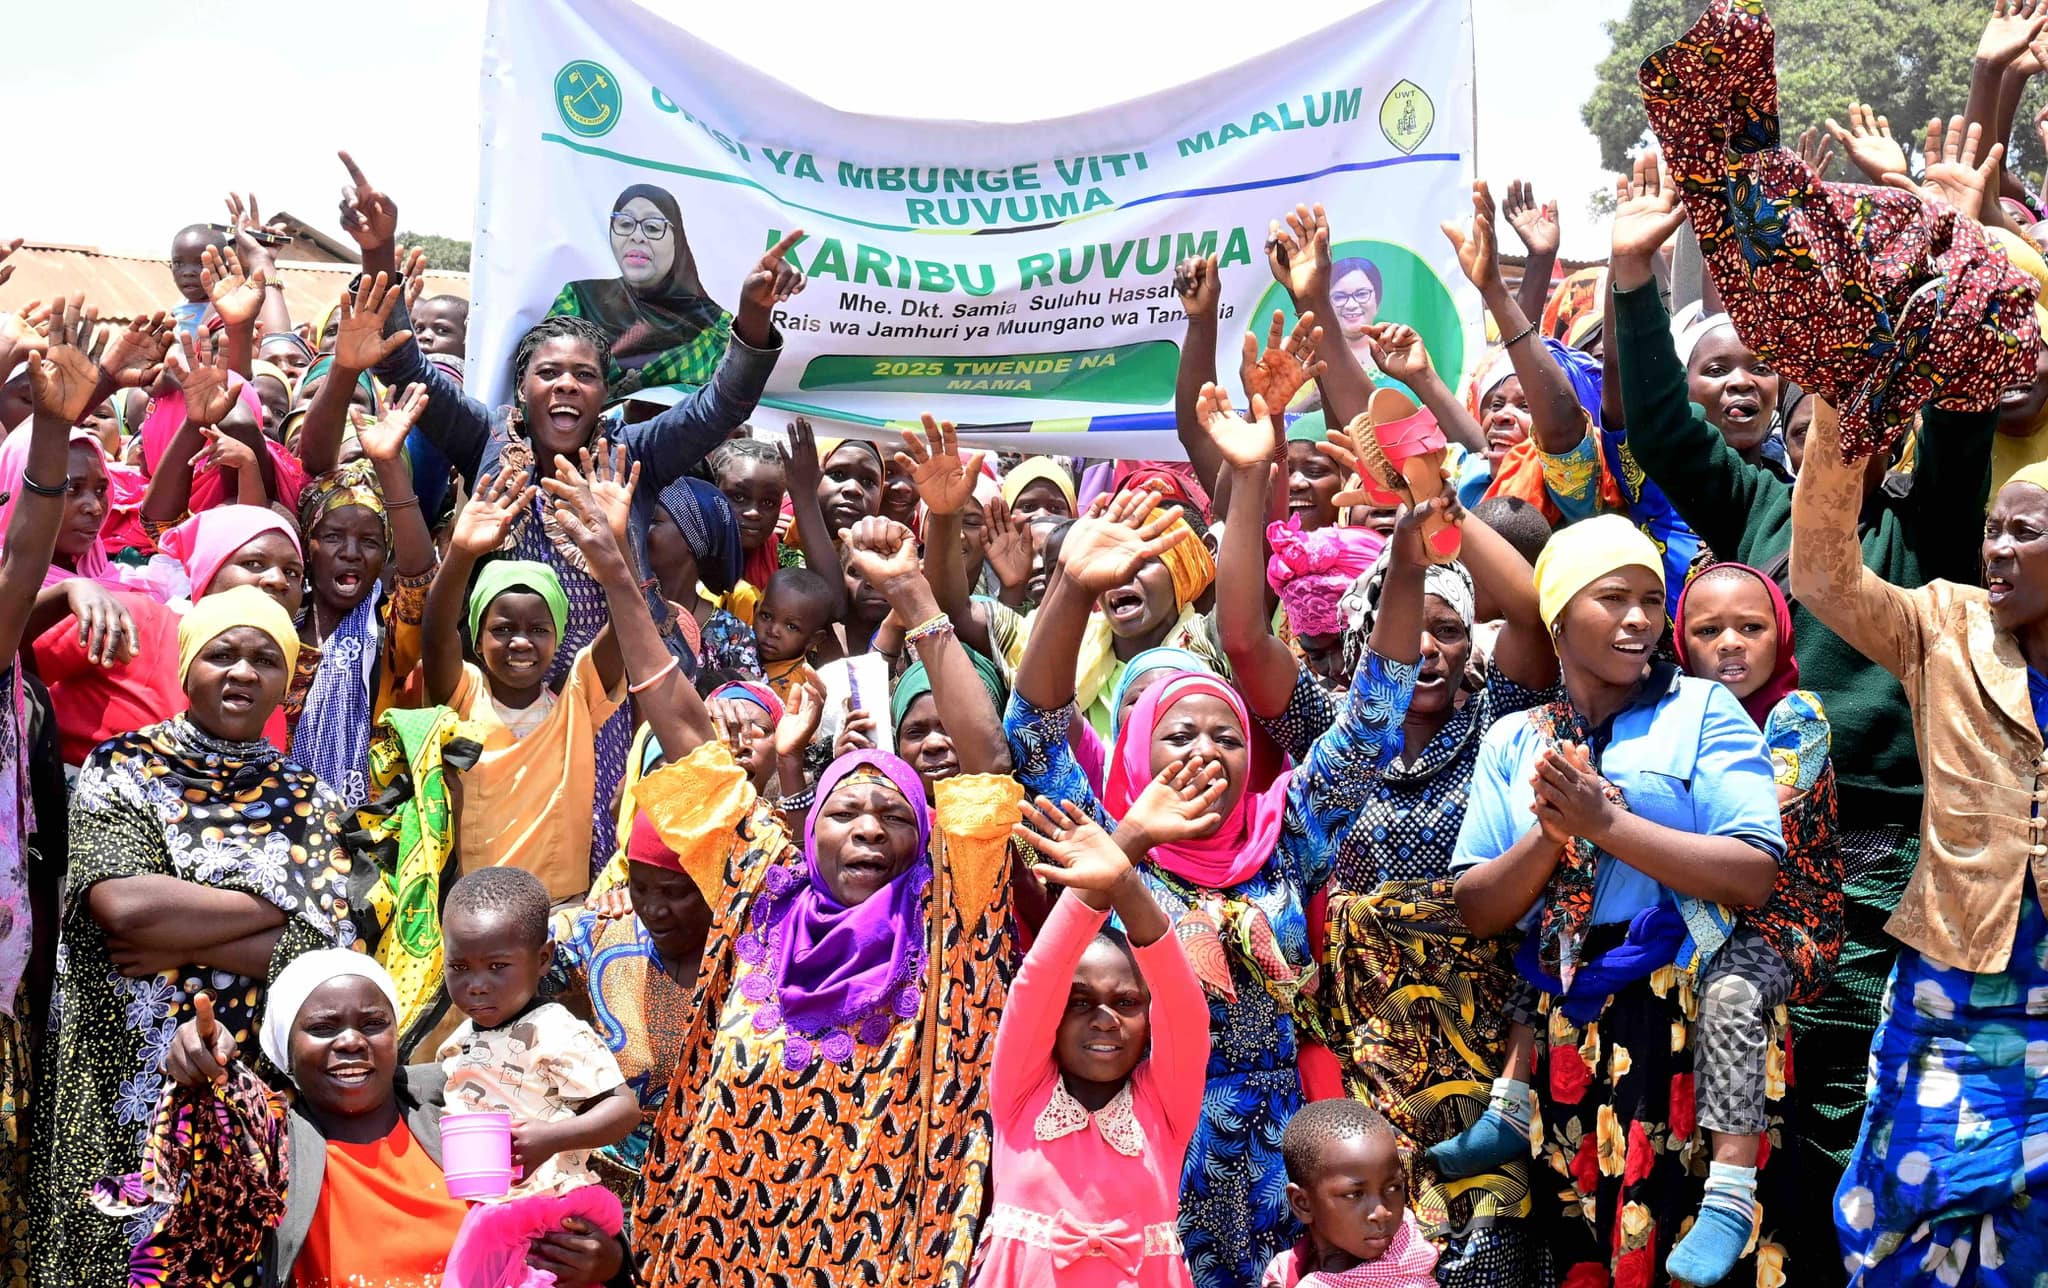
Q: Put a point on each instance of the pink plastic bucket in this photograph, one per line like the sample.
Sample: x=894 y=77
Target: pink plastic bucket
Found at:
x=476 y=1154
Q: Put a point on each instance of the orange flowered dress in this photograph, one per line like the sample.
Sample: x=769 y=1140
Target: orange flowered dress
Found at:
x=777 y=1162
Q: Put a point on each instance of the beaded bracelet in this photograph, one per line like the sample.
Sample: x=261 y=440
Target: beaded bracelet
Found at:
x=1520 y=336
x=936 y=625
x=799 y=803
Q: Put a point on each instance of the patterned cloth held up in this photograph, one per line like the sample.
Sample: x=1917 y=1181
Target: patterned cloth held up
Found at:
x=1877 y=300
x=213 y=1173
x=408 y=828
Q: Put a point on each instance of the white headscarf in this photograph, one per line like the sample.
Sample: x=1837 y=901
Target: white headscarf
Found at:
x=1692 y=325
x=296 y=982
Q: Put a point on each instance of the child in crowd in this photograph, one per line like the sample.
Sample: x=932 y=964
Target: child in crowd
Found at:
x=1096 y=1091
x=515 y=1054
x=794 y=617
x=441 y=324
x=1733 y=627
x=1348 y=1184
x=528 y=800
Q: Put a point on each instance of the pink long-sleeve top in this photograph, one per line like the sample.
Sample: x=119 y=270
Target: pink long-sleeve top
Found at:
x=1090 y=1204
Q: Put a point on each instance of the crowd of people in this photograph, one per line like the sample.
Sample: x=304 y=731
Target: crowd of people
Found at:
x=1579 y=824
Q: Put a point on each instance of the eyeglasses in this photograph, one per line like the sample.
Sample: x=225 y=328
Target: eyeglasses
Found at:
x=653 y=228
x=1342 y=299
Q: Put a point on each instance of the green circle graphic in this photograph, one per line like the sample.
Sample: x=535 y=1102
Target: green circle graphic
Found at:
x=1411 y=293
x=587 y=98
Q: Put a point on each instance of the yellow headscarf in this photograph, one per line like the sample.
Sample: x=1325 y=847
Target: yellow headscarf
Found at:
x=1191 y=564
x=223 y=611
x=1033 y=468
x=1585 y=552
x=2037 y=474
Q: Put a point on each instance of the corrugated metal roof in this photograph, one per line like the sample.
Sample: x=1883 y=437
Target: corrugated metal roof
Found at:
x=123 y=286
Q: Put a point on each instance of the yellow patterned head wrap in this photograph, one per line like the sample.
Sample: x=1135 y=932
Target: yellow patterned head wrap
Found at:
x=1191 y=564
x=2036 y=474
x=1585 y=552
x=216 y=614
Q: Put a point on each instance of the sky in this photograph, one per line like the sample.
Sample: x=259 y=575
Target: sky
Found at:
x=141 y=141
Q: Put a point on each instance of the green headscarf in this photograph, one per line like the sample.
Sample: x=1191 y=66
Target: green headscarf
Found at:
x=501 y=575
x=916 y=682
x=1308 y=427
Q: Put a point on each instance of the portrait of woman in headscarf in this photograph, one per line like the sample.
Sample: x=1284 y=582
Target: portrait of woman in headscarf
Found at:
x=665 y=329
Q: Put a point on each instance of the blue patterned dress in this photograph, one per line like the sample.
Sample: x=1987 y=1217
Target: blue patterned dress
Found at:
x=1233 y=1211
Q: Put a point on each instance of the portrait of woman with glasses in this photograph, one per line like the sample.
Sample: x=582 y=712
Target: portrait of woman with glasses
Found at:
x=665 y=329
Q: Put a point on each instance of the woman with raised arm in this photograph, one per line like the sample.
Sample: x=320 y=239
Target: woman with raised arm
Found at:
x=1912 y=1205
x=830 y=1115
x=558 y=376
x=1392 y=925
x=1239 y=892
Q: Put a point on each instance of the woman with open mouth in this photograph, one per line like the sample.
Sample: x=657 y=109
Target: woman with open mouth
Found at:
x=1619 y=825
x=1247 y=881
x=1971 y=918
x=200 y=857
x=851 y=991
x=560 y=373
x=362 y=1146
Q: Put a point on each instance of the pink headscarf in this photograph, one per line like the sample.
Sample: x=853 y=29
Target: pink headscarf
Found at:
x=93 y=564
x=1310 y=571
x=1235 y=852
x=166 y=416
x=211 y=537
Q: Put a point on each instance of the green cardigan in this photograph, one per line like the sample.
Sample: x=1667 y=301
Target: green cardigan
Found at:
x=1911 y=536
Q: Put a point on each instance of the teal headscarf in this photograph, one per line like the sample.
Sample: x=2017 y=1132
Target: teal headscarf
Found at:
x=916 y=682
x=319 y=370
x=501 y=575
x=1152 y=659
x=1307 y=427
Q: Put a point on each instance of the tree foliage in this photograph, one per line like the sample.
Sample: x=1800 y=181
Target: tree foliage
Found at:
x=446 y=254
x=1910 y=59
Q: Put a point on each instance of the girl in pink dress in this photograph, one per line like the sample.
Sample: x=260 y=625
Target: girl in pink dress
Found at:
x=1100 y=1057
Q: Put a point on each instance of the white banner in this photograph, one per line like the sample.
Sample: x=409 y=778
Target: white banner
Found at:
x=1012 y=277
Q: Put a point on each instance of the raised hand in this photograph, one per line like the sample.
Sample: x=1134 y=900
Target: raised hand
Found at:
x=237 y=296
x=1868 y=142
x=1954 y=174
x=1536 y=224
x=1817 y=150
x=1243 y=443
x=383 y=437
x=1298 y=252
x=201 y=1049
x=1076 y=852
x=1398 y=350
x=484 y=520
x=773 y=278
x=359 y=339
x=1410 y=542
x=135 y=358
x=881 y=551
x=367 y=215
x=1179 y=804
x=1286 y=365
x=412 y=266
x=1647 y=212
x=1008 y=548
x=856 y=733
x=246 y=219
x=800 y=716
x=1199 y=286
x=801 y=469
x=945 y=479
x=1341 y=446
x=607 y=476
x=64 y=379
x=1479 y=250
x=2014 y=26
x=224 y=450
x=1103 y=551
x=209 y=396
x=8 y=248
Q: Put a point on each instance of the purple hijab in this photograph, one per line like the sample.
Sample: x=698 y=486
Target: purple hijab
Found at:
x=839 y=976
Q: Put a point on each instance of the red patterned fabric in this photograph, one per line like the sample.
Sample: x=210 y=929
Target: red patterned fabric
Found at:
x=1873 y=298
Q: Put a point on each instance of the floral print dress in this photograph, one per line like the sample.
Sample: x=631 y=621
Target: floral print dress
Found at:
x=169 y=801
